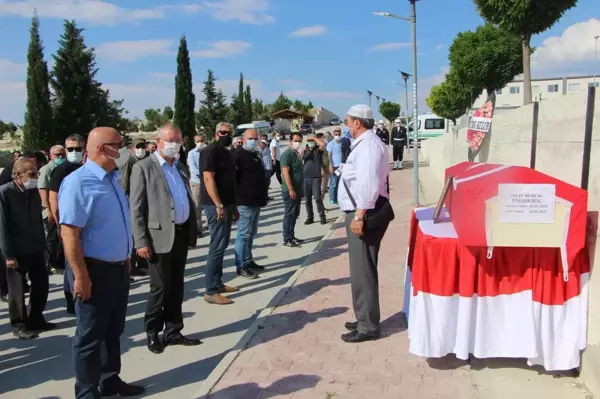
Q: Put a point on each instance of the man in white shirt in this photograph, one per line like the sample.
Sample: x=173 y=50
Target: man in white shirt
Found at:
x=276 y=156
x=362 y=186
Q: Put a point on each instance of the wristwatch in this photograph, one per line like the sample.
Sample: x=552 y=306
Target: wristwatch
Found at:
x=220 y=206
x=358 y=219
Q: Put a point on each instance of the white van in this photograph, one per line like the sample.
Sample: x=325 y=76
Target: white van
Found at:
x=262 y=127
x=429 y=126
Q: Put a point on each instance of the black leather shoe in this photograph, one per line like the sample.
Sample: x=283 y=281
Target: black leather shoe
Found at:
x=183 y=341
x=351 y=325
x=323 y=220
x=309 y=221
x=43 y=326
x=297 y=241
x=246 y=273
x=25 y=334
x=4 y=298
x=154 y=344
x=256 y=268
x=123 y=389
x=355 y=337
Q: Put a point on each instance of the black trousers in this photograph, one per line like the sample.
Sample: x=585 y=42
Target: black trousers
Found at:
x=56 y=256
x=268 y=175
x=312 y=188
x=138 y=262
x=398 y=153
x=33 y=265
x=291 y=213
x=3 y=277
x=100 y=324
x=166 y=288
x=277 y=171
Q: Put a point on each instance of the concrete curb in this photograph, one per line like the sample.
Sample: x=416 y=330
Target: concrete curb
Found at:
x=214 y=377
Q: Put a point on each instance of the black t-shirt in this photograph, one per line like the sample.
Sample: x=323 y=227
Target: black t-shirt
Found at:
x=313 y=163
x=216 y=159
x=59 y=173
x=250 y=177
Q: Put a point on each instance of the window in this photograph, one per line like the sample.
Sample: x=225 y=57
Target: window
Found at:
x=573 y=86
x=436 y=124
x=591 y=84
x=535 y=90
x=499 y=91
x=552 y=88
x=515 y=90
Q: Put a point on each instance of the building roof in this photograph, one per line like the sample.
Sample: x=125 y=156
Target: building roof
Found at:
x=290 y=114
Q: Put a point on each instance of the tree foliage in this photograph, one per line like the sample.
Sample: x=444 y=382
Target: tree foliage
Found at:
x=450 y=99
x=237 y=104
x=209 y=113
x=38 y=128
x=248 y=105
x=389 y=110
x=282 y=102
x=155 y=118
x=524 y=18
x=486 y=58
x=7 y=127
x=260 y=111
x=185 y=100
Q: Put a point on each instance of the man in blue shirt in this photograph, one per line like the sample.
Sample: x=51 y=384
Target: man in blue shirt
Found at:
x=334 y=149
x=97 y=239
x=193 y=162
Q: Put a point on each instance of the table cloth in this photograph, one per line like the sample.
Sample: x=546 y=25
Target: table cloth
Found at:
x=512 y=302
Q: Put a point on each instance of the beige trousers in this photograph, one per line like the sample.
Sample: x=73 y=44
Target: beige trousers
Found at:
x=196 y=189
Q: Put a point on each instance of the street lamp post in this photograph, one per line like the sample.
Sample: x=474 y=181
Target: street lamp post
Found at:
x=370 y=93
x=595 y=56
x=405 y=76
x=413 y=22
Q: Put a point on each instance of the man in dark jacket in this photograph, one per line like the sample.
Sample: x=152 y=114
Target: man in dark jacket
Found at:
x=382 y=132
x=399 y=141
x=23 y=242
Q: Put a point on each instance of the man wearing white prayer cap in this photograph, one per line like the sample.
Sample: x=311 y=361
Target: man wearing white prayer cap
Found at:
x=363 y=196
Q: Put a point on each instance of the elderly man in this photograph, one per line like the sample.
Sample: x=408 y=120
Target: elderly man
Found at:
x=251 y=196
x=193 y=162
x=151 y=147
x=96 y=233
x=292 y=190
x=22 y=242
x=265 y=156
x=313 y=175
x=75 y=149
x=218 y=199
x=363 y=191
x=164 y=226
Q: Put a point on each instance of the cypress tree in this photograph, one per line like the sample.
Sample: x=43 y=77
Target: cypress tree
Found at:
x=184 y=96
x=208 y=116
x=238 y=105
x=74 y=88
x=248 y=104
x=37 y=131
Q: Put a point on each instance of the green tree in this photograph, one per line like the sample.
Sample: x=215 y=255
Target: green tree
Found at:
x=185 y=101
x=73 y=84
x=221 y=109
x=389 y=110
x=155 y=118
x=260 y=112
x=208 y=114
x=524 y=18
x=169 y=114
x=7 y=127
x=38 y=128
x=282 y=102
x=237 y=104
x=248 y=104
x=487 y=58
x=450 y=99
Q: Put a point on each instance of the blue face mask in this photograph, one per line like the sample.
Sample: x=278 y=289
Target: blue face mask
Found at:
x=250 y=145
x=59 y=161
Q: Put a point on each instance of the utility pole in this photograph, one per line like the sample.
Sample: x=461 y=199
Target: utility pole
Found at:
x=413 y=23
x=406 y=76
x=595 y=56
x=370 y=93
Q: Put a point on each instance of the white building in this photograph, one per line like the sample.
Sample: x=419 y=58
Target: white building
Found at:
x=322 y=116
x=511 y=96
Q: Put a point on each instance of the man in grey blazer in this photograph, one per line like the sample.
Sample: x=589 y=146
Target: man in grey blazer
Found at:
x=164 y=226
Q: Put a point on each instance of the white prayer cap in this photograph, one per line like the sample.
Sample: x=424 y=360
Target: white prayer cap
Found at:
x=361 y=111
x=381 y=122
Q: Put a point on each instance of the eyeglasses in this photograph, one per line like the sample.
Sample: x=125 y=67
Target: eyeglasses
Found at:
x=71 y=149
x=224 y=132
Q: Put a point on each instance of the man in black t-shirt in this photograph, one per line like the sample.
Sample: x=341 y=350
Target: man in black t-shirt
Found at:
x=218 y=199
x=74 y=146
x=251 y=196
x=313 y=165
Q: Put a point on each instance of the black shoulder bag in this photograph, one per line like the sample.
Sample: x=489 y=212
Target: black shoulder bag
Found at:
x=381 y=215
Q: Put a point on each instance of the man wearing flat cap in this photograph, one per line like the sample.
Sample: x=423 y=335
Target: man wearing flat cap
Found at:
x=362 y=193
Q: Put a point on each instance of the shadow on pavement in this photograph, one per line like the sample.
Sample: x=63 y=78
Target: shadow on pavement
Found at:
x=284 y=386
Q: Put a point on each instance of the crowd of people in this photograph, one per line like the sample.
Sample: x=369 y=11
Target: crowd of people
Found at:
x=100 y=212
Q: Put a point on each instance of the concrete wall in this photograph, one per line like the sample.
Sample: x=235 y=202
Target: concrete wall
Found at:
x=559 y=154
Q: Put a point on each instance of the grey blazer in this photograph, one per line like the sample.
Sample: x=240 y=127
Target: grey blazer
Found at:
x=152 y=209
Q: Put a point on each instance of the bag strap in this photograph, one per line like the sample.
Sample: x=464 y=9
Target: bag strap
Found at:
x=349 y=194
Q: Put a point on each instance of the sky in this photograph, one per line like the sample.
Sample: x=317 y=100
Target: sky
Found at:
x=329 y=52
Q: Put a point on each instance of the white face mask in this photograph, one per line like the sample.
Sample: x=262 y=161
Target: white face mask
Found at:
x=337 y=138
x=140 y=152
x=296 y=145
x=31 y=183
x=123 y=156
x=171 y=150
x=200 y=146
x=277 y=138
x=74 y=156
